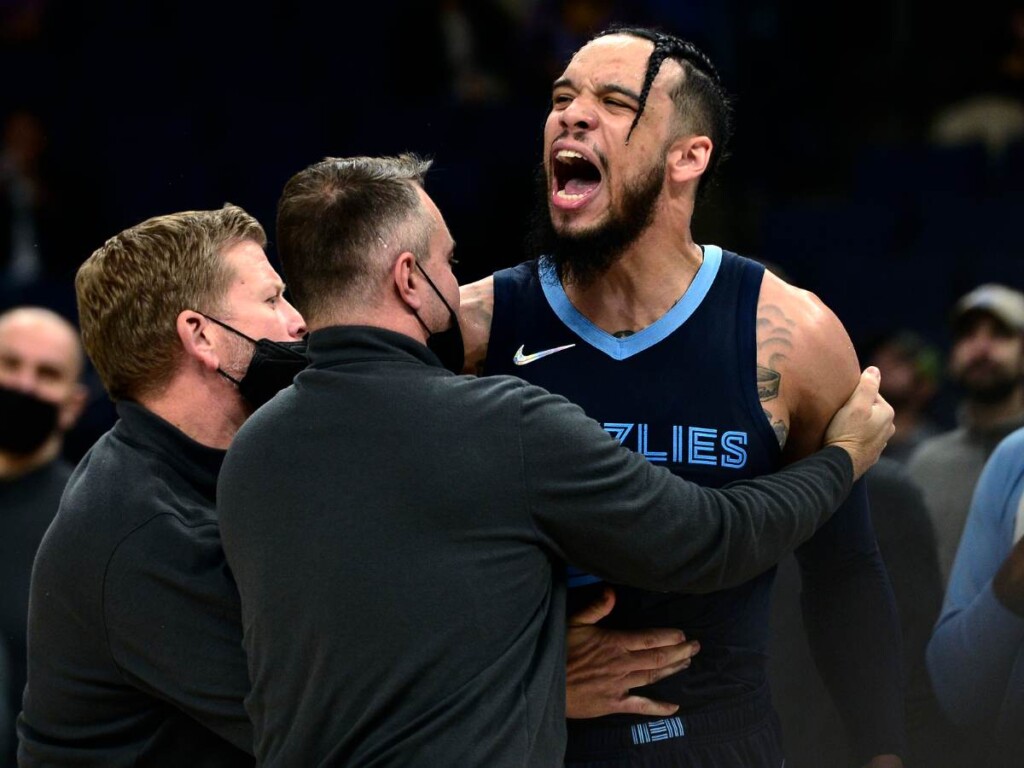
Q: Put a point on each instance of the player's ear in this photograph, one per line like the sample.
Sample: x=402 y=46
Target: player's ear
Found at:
x=688 y=158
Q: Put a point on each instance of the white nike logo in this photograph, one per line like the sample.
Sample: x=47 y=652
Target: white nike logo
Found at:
x=521 y=359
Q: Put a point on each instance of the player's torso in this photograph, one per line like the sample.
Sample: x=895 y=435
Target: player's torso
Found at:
x=683 y=392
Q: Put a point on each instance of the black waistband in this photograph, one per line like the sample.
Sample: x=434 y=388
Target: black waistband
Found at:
x=714 y=723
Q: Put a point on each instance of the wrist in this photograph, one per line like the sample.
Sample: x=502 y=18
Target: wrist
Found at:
x=1009 y=590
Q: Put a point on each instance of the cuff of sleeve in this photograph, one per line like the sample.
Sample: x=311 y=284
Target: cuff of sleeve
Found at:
x=1002 y=624
x=842 y=460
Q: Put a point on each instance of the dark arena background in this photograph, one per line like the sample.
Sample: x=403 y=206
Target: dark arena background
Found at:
x=878 y=156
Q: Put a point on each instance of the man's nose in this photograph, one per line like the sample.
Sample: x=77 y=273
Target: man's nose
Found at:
x=579 y=115
x=296 y=325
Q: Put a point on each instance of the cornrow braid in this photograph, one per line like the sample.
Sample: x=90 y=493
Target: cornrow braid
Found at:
x=699 y=95
x=665 y=47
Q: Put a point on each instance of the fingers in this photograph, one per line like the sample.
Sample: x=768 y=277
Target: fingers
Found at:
x=651 y=638
x=667 y=656
x=638 y=705
x=866 y=392
x=596 y=611
x=603 y=665
x=871 y=379
x=650 y=672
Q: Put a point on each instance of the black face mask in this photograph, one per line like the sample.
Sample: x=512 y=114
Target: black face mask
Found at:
x=26 y=422
x=446 y=344
x=273 y=366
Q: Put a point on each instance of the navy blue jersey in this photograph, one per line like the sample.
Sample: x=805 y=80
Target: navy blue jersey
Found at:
x=683 y=392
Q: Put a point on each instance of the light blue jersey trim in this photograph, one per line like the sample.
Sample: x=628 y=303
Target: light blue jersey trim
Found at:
x=620 y=349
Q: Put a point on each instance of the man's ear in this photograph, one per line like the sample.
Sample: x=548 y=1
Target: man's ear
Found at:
x=196 y=340
x=688 y=158
x=406 y=282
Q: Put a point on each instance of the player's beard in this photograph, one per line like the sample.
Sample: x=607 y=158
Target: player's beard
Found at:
x=582 y=257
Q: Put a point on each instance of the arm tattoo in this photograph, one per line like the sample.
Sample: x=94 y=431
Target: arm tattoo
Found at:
x=774 y=341
x=767 y=383
x=780 y=429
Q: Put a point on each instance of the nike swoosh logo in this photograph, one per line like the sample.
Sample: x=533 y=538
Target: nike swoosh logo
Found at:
x=521 y=359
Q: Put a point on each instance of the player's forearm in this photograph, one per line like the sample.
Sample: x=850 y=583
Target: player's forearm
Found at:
x=853 y=628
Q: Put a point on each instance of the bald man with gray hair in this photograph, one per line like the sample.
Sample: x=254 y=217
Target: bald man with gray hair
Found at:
x=41 y=397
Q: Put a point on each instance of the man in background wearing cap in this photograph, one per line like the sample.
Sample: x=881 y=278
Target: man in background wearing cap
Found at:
x=987 y=363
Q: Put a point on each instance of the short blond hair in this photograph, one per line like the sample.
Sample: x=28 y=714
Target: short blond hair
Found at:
x=131 y=290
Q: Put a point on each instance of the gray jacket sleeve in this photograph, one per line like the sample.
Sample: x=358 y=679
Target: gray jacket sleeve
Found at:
x=612 y=513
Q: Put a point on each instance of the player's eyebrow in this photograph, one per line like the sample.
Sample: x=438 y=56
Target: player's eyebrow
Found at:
x=565 y=82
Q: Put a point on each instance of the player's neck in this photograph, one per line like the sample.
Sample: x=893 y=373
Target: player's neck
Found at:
x=642 y=285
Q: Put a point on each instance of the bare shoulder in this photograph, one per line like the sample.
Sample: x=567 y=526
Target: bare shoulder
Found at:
x=475 y=313
x=805 y=350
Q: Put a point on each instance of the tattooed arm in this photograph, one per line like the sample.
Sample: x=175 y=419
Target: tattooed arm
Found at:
x=806 y=369
x=475 y=313
x=806 y=365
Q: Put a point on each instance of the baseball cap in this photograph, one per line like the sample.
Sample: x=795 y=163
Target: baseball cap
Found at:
x=1000 y=301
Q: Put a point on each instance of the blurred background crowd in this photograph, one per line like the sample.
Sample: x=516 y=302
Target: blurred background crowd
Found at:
x=878 y=158
x=878 y=161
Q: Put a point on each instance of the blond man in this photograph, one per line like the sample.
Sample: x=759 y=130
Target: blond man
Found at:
x=134 y=623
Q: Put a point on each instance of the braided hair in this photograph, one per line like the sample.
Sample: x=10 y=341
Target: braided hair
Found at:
x=699 y=99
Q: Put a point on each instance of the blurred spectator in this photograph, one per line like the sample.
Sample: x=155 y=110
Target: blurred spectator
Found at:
x=910 y=374
x=462 y=52
x=986 y=362
x=37 y=235
x=812 y=728
x=24 y=199
x=558 y=28
x=993 y=114
x=976 y=654
x=7 y=714
x=469 y=32
x=40 y=398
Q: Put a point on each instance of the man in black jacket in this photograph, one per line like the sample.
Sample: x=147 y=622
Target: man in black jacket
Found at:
x=41 y=396
x=398 y=533
x=135 y=654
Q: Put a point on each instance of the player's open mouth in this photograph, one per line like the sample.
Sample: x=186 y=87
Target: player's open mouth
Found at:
x=575 y=178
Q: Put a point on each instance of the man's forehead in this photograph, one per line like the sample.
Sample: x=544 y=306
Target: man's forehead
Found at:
x=40 y=339
x=440 y=225
x=618 y=58
x=250 y=263
x=616 y=46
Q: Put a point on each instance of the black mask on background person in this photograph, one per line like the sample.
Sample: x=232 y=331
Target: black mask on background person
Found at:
x=26 y=421
x=446 y=344
x=273 y=366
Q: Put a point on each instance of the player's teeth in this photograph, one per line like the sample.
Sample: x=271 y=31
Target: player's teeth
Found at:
x=566 y=154
x=566 y=196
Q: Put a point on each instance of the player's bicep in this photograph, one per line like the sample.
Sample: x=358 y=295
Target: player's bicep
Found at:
x=475 y=314
x=822 y=371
